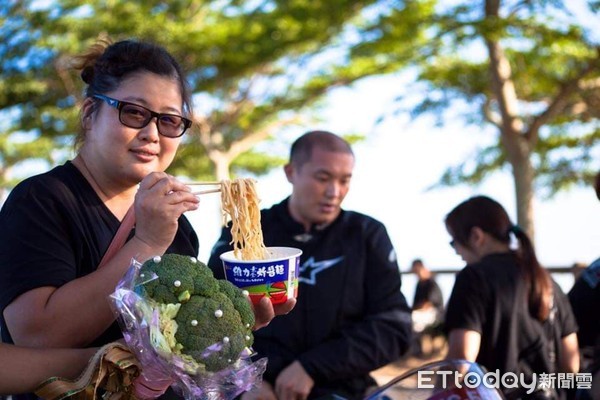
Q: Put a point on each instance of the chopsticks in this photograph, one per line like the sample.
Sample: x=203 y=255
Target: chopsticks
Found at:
x=201 y=192
x=206 y=191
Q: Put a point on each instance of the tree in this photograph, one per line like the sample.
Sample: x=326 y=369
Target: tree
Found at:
x=250 y=66
x=526 y=69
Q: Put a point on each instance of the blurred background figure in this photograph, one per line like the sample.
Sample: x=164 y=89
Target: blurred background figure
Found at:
x=505 y=311
x=428 y=312
x=585 y=300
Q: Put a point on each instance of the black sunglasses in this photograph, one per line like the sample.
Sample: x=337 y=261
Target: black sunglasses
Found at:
x=136 y=116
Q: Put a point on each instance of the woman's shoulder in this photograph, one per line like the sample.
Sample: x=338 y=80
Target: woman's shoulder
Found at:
x=475 y=271
x=496 y=263
x=49 y=183
x=494 y=272
x=489 y=267
x=62 y=187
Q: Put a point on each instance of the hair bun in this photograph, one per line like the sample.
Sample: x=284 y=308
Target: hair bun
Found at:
x=87 y=74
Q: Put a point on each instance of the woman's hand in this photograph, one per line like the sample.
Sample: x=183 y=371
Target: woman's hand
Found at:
x=160 y=201
x=265 y=311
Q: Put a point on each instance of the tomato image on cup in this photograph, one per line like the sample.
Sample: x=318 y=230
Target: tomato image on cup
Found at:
x=275 y=277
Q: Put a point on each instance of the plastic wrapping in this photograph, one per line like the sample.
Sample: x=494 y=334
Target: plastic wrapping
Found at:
x=138 y=317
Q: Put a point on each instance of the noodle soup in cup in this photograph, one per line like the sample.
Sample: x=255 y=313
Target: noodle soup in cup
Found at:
x=275 y=277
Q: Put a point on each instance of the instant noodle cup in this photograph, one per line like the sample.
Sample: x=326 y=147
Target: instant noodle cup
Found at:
x=275 y=277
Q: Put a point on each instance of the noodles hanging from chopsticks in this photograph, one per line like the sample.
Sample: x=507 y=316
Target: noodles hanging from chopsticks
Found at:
x=239 y=201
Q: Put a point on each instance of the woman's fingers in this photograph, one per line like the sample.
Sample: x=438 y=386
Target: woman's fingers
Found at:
x=160 y=188
x=265 y=311
x=284 y=308
x=160 y=201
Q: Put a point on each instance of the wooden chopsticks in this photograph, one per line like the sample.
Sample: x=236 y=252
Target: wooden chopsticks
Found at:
x=201 y=192
x=206 y=191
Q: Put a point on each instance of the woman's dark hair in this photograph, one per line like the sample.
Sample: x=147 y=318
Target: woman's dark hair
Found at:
x=105 y=65
x=489 y=216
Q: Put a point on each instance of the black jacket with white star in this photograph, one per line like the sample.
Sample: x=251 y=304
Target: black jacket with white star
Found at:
x=351 y=317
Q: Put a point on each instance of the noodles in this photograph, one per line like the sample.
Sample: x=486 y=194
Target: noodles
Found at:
x=239 y=201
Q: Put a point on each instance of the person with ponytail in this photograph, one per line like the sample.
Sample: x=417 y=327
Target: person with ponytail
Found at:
x=58 y=226
x=505 y=311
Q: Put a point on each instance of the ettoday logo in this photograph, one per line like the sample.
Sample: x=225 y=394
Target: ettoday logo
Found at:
x=498 y=381
x=472 y=380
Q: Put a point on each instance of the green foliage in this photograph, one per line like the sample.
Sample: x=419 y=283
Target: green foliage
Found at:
x=554 y=68
x=564 y=157
x=473 y=171
x=257 y=67
x=242 y=59
x=256 y=163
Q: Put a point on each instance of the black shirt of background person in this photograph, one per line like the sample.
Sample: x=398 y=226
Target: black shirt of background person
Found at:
x=428 y=291
x=486 y=299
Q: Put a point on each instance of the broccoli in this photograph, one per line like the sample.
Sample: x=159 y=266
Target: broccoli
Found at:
x=208 y=321
x=178 y=277
x=211 y=325
x=239 y=298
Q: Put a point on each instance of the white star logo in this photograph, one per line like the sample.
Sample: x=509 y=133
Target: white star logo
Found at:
x=314 y=267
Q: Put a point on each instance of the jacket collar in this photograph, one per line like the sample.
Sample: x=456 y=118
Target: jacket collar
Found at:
x=295 y=228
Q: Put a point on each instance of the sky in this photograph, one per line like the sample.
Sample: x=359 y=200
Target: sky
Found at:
x=397 y=162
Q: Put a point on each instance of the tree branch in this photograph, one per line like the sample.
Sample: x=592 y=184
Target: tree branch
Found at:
x=490 y=115
x=590 y=84
x=246 y=143
x=504 y=88
x=560 y=101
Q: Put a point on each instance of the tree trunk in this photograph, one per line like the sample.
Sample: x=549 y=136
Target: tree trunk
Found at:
x=222 y=162
x=523 y=175
x=517 y=144
x=222 y=168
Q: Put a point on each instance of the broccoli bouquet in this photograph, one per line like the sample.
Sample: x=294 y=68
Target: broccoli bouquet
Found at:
x=185 y=325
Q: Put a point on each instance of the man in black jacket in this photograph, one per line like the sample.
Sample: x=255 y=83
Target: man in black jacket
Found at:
x=351 y=317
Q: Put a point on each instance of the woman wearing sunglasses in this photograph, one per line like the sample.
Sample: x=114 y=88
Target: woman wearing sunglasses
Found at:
x=57 y=226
